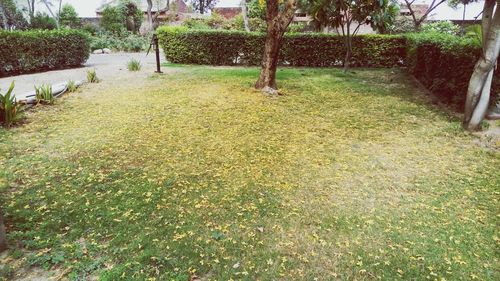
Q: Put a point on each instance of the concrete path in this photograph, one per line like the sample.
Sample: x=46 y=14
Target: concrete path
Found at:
x=108 y=67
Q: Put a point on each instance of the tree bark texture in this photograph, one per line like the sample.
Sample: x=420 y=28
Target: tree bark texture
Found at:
x=478 y=92
x=245 y=15
x=150 y=15
x=277 y=23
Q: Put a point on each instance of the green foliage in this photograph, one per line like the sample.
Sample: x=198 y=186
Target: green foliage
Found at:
x=112 y=20
x=444 y=64
x=256 y=9
x=43 y=21
x=12 y=17
x=296 y=28
x=182 y=45
x=383 y=19
x=89 y=28
x=134 y=65
x=44 y=94
x=37 y=50
x=92 y=76
x=71 y=87
x=475 y=32
x=69 y=17
x=128 y=42
x=444 y=27
x=132 y=15
x=401 y=25
x=195 y=23
x=10 y=110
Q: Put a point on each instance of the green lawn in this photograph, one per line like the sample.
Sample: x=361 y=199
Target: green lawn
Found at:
x=346 y=176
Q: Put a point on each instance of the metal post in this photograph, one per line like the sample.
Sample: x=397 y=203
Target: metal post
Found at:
x=155 y=41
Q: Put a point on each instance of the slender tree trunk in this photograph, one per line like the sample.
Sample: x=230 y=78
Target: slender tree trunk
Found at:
x=3 y=239
x=202 y=7
x=348 y=45
x=478 y=93
x=277 y=24
x=3 y=18
x=150 y=15
x=56 y=17
x=31 y=8
x=245 y=15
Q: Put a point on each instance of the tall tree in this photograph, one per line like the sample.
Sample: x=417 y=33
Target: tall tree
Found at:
x=68 y=17
x=478 y=92
x=203 y=6
x=419 y=19
x=243 y=5
x=150 y=15
x=347 y=16
x=277 y=19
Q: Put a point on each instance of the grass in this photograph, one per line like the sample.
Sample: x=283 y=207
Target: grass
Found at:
x=348 y=176
x=134 y=65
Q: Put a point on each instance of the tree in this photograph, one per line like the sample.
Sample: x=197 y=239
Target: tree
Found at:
x=43 y=21
x=132 y=15
x=277 y=18
x=49 y=4
x=10 y=16
x=346 y=15
x=203 y=6
x=150 y=15
x=69 y=17
x=244 y=13
x=383 y=19
x=31 y=8
x=478 y=92
x=112 y=20
x=3 y=239
x=417 y=21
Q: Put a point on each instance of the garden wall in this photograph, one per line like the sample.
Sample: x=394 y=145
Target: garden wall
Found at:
x=37 y=50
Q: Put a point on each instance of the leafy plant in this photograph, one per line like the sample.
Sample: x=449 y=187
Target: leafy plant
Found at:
x=134 y=65
x=10 y=110
x=44 y=94
x=446 y=27
x=71 y=86
x=92 y=76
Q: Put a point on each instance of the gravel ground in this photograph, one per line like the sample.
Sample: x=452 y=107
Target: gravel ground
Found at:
x=108 y=67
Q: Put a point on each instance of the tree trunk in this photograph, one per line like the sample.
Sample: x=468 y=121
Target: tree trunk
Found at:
x=3 y=239
x=478 y=93
x=3 y=18
x=348 y=45
x=56 y=17
x=202 y=7
x=245 y=15
x=277 y=24
x=150 y=15
x=31 y=8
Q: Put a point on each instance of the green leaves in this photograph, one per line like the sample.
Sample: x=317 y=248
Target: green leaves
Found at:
x=10 y=110
x=36 y=50
x=44 y=94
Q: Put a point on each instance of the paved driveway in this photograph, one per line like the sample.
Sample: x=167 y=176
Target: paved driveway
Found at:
x=108 y=67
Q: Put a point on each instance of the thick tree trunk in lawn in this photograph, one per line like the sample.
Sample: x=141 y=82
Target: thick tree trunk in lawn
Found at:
x=277 y=24
x=478 y=93
x=3 y=239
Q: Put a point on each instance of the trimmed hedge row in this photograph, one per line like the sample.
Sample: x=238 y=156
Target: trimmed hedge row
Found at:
x=444 y=65
x=37 y=50
x=215 y=47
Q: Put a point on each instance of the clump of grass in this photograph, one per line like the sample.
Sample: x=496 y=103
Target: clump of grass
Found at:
x=134 y=65
x=10 y=110
x=72 y=86
x=92 y=76
x=44 y=94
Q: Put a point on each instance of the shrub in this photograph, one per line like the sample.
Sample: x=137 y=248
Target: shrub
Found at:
x=444 y=64
x=134 y=65
x=44 y=94
x=10 y=110
x=37 y=50
x=214 y=47
x=92 y=76
x=129 y=43
x=113 y=20
x=43 y=21
x=69 y=17
x=446 y=27
x=71 y=87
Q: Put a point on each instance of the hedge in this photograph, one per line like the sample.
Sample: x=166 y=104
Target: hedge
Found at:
x=37 y=50
x=216 y=47
x=444 y=65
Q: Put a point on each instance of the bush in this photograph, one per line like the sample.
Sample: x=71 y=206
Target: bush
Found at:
x=92 y=76
x=39 y=50
x=10 y=110
x=113 y=20
x=129 y=43
x=134 y=65
x=444 y=64
x=446 y=27
x=43 y=21
x=213 y=47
